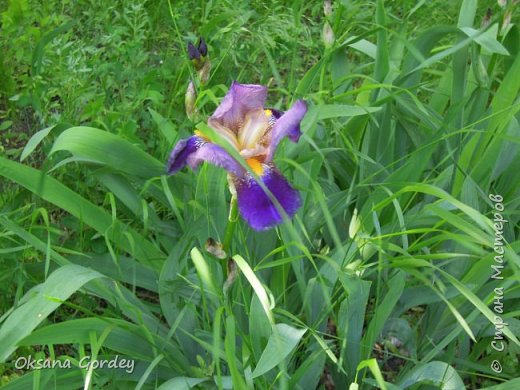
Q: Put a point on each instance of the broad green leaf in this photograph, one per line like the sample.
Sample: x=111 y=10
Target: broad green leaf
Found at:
x=203 y=271
x=382 y=64
x=372 y=365
x=487 y=39
x=167 y=128
x=127 y=270
x=181 y=383
x=365 y=47
x=230 y=347
x=260 y=328
x=148 y=371
x=282 y=342
x=351 y=319
x=110 y=150
x=34 y=141
x=467 y=12
x=56 y=379
x=511 y=384
x=310 y=77
x=5 y=125
x=257 y=286
x=383 y=311
x=440 y=373
x=327 y=111
x=39 y=136
x=125 y=337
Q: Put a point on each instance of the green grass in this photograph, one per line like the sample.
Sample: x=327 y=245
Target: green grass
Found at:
x=382 y=279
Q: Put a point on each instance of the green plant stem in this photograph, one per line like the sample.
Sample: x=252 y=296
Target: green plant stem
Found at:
x=232 y=221
x=228 y=234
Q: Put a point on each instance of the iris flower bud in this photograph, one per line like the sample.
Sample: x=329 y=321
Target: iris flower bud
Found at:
x=204 y=71
x=507 y=21
x=327 y=8
x=199 y=57
x=355 y=225
x=189 y=100
x=203 y=48
x=193 y=52
x=486 y=20
x=328 y=35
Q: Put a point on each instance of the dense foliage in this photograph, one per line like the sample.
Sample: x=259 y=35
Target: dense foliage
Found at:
x=384 y=278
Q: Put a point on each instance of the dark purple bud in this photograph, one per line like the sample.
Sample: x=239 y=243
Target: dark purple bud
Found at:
x=203 y=48
x=193 y=52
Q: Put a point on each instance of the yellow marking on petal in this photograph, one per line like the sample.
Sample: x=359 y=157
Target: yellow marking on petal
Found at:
x=198 y=133
x=256 y=166
x=268 y=113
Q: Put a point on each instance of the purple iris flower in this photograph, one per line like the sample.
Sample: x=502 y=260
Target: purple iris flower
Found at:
x=254 y=132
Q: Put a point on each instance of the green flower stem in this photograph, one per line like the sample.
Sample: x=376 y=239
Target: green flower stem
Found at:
x=232 y=221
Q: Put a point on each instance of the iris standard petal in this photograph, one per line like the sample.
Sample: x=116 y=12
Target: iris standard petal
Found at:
x=255 y=205
x=194 y=150
x=287 y=125
x=254 y=127
x=240 y=99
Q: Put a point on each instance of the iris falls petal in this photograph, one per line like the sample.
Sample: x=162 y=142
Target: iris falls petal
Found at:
x=194 y=150
x=255 y=205
x=180 y=153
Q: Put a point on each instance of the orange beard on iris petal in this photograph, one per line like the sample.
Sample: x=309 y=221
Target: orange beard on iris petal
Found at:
x=256 y=166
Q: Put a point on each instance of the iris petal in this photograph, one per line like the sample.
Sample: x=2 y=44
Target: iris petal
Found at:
x=255 y=205
x=224 y=132
x=180 y=153
x=240 y=99
x=194 y=150
x=287 y=125
x=254 y=127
